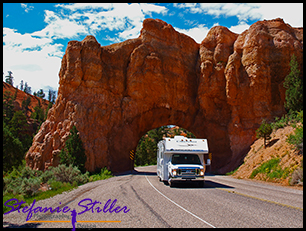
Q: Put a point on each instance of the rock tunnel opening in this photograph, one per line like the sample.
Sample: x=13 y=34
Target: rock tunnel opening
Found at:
x=146 y=150
x=126 y=137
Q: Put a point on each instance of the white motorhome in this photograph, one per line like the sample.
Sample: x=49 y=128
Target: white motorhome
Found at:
x=182 y=159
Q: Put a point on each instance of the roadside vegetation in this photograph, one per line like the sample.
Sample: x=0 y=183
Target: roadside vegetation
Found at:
x=271 y=170
x=20 y=181
x=26 y=184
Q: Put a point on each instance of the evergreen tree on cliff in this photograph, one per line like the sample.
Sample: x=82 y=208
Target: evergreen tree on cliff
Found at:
x=74 y=152
x=294 y=85
x=264 y=131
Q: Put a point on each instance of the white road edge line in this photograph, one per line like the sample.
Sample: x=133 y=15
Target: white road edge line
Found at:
x=180 y=206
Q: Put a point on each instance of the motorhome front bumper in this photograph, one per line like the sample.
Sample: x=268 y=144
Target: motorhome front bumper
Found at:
x=186 y=178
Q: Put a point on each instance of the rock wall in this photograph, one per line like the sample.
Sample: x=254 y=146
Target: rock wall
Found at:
x=220 y=89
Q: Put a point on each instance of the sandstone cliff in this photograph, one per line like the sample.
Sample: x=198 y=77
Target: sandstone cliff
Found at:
x=220 y=89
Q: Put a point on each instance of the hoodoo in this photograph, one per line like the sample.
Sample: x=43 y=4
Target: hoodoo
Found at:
x=220 y=90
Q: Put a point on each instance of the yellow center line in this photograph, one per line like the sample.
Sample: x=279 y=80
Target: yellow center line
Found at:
x=261 y=199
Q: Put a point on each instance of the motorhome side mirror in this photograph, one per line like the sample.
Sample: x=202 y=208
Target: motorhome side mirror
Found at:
x=208 y=162
x=161 y=161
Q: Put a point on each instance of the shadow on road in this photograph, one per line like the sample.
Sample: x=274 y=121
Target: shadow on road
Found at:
x=212 y=184
x=27 y=225
x=207 y=184
x=135 y=172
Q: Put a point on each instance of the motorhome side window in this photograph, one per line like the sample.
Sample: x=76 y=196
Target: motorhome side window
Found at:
x=185 y=159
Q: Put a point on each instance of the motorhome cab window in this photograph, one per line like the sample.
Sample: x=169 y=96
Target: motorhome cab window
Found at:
x=185 y=159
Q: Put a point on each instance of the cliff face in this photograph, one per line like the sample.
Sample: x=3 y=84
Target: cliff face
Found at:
x=220 y=89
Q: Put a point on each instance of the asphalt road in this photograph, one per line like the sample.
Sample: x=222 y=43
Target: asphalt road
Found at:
x=223 y=202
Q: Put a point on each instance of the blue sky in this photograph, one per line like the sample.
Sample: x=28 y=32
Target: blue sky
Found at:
x=35 y=35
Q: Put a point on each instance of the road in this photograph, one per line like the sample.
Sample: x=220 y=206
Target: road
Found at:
x=223 y=202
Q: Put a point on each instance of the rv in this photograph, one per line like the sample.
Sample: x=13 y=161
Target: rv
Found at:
x=181 y=159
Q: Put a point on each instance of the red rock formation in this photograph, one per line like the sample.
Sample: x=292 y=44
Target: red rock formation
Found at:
x=220 y=89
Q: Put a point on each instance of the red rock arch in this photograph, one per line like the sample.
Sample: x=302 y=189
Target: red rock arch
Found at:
x=220 y=89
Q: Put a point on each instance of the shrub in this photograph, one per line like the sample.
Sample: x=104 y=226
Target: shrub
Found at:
x=279 y=123
x=69 y=174
x=271 y=168
x=297 y=138
x=27 y=172
x=29 y=187
x=297 y=176
x=47 y=175
x=104 y=174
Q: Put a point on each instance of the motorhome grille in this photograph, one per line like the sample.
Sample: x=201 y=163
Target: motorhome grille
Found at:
x=188 y=171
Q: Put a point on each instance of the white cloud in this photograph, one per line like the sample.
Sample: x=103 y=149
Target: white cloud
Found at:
x=36 y=57
x=60 y=27
x=242 y=26
x=292 y=13
x=149 y=8
x=84 y=6
x=122 y=17
x=26 y=7
x=31 y=59
x=198 y=33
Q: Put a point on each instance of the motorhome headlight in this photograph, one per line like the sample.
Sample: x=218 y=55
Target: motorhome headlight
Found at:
x=200 y=172
x=178 y=171
x=174 y=172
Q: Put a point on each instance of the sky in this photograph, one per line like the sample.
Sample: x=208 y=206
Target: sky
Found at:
x=35 y=35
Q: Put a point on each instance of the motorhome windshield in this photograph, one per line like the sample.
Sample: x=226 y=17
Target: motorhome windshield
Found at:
x=185 y=159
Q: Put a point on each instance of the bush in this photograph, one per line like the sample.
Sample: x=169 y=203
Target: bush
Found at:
x=297 y=138
x=271 y=168
x=297 y=176
x=47 y=175
x=104 y=174
x=29 y=187
x=69 y=174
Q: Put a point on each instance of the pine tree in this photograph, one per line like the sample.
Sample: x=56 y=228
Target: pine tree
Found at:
x=264 y=131
x=74 y=152
x=294 y=85
x=8 y=107
x=40 y=93
x=9 y=78
x=27 y=88
x=21 y=85
x=13 y=151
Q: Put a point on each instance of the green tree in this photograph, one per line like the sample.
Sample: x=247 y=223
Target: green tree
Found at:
x=25 y=104
x=40 y=93
x=19 y=128
x=13 y=151
x=74 y=152
x=38 y=114
x=9 y=78
x=8 y=107
x=294 y=85
x=27 y=88
x=21 y=85
x=264 y=131
x=51 y=96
